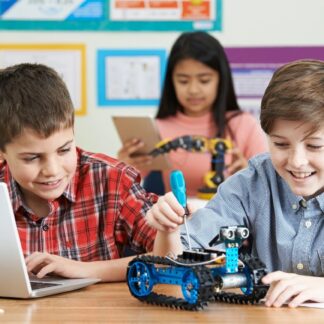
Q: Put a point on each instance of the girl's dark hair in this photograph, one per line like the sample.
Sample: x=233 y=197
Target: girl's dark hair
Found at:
x=202 y=47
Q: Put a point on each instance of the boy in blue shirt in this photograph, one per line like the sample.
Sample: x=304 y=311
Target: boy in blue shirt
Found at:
x=279 y=197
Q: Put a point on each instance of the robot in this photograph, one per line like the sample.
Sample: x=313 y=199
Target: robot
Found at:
x=216 y=146
x=203 y=274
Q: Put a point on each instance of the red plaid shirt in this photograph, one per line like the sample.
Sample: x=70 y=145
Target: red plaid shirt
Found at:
x=101 y=211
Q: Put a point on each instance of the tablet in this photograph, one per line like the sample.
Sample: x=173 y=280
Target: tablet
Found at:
x=143 y=128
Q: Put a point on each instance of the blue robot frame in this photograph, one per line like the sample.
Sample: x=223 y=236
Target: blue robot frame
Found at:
x=199 y=275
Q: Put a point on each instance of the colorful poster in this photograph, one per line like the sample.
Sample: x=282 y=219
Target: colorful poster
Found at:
x=199 y=14
x=253 y=67
x=113 y=15
x=167 y=10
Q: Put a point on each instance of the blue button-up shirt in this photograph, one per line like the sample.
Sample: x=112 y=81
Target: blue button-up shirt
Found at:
x=287 y=231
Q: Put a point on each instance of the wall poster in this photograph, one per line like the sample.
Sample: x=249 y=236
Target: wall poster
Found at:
x=130 y=77
x=67 y=60
x=167 y=14
x=112 y=15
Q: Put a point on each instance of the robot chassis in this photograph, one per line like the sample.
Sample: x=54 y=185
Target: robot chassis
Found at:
x=216 y=146
x=202 y=274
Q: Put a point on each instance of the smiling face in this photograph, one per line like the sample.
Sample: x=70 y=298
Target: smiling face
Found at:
x=196 y=86
x=298 y=156
x=42 y=167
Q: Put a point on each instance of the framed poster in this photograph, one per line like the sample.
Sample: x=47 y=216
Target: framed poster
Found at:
x=130 y=77
x=67 y=60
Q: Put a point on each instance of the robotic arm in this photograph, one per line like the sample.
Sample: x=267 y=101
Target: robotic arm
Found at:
x=188 y=142
x=192 y=143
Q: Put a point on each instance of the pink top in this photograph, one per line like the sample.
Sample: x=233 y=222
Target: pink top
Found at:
x=249 y=138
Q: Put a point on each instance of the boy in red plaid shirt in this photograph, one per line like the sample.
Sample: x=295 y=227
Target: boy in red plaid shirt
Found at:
x=75 y=211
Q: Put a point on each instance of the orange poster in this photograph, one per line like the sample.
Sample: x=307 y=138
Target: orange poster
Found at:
x=163 y=4
x=194 y=10
x=167 y=14
x=130 y=4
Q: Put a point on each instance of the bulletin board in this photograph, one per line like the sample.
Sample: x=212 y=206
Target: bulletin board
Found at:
x=112 y=15
x=67 y=60
x=252 y=69
x=130 y=77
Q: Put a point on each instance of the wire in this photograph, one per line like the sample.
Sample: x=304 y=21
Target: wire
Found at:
x=195 y=264
x=219 y=259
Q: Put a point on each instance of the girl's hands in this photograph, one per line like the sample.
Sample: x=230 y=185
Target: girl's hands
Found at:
x=167 y=214
x=238 y=161
x=141 y=161
x=292 y=289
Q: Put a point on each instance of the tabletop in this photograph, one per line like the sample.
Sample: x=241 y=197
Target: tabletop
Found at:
x=112 y=303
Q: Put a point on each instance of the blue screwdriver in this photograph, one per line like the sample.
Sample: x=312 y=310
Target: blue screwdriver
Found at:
x=178 y=187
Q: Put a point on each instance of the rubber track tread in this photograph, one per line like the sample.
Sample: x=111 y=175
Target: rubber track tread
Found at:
x=205 y=292
x=259 y=290
x=206 y=289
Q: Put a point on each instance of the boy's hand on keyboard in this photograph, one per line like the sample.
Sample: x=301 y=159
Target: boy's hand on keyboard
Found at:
x=42 y=264
x=167 y=214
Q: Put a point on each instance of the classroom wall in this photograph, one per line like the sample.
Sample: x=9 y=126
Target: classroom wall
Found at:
x=245 y=23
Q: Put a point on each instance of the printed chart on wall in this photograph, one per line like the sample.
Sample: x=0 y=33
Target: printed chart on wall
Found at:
x=112 y=15
x=67 y=60
x=253 y=67
x=130 y=77
x=167 y=14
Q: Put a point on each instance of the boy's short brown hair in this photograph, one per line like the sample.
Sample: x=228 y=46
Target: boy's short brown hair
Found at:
x=296 y=93
x=32 y=96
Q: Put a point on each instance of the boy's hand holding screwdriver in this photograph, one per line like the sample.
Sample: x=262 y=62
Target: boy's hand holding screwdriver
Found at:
x=168 y=213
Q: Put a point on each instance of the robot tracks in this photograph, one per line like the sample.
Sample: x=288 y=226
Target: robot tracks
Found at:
x=198 y=281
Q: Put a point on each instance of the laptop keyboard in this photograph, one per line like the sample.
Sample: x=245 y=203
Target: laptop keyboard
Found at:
x=39 y=285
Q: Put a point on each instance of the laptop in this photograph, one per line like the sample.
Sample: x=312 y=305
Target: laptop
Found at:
x=14 y=279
